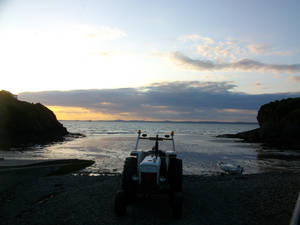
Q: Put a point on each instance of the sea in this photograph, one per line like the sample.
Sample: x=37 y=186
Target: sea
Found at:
x=109 y=143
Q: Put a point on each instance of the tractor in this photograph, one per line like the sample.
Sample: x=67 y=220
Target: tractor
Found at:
x=151 y=171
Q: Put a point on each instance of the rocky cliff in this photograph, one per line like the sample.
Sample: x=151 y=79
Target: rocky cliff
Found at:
x=23 y=123
x=279 y=125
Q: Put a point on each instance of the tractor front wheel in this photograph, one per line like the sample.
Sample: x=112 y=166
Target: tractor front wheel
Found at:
x=128 y=185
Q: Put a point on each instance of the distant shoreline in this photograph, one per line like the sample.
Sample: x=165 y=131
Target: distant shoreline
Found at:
x=164 y=121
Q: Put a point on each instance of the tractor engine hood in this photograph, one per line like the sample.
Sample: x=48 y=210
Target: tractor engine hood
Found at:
x=149 y=171
x=150 y=164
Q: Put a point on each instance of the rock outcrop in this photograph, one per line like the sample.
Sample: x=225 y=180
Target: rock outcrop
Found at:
x=23 y=123
x=279 y=125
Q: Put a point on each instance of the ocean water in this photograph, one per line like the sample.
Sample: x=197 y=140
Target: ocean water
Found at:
x=109 y=143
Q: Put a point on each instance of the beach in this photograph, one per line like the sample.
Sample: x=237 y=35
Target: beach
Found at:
x=266 y=198
x=265 y=194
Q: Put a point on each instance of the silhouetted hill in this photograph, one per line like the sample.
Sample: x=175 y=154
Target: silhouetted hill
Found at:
x=279 y=123
x=23 y=123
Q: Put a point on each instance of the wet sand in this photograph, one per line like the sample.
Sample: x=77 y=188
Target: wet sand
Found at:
x=251 y=199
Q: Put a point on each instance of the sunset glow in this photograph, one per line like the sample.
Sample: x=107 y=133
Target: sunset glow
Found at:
x=78 y=113
x=133 y=54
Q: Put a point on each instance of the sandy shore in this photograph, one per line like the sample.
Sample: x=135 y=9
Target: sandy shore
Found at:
x=251 y=199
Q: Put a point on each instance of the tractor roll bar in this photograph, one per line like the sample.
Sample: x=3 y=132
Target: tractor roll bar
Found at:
x=137 y=141
x=156 y=138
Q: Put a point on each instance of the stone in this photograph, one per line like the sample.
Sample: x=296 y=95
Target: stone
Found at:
x=25 y=124
x=279 y=125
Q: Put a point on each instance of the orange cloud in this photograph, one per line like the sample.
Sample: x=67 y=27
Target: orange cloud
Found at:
x=243 y=111
x=78 y=113
x=81 y=113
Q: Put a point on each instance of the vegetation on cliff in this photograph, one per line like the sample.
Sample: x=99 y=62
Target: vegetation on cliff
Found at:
x=23 y=123
x=279 y=125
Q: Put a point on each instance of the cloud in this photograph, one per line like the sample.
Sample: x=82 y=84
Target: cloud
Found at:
x=259 y=49
x=190 y=100
x=197 y=37
x=294 y=78
x=101 y=32
x=259 y=86
x=245 y=111
x=284 y=52
x=212 y=49
x=242 y=65
x=230 y=49
x=267 y=49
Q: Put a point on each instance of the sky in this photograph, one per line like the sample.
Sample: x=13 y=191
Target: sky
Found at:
x=151 y=60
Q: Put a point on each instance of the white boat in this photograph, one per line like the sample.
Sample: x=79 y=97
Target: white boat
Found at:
x=230 y=169
x=15 y=171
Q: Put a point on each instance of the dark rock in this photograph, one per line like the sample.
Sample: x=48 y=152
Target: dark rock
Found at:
x=279 y=123
x=249 y=136
x=76 y=135
x=24 y=124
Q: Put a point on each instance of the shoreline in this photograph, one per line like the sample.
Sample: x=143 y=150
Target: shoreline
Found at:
x=266 y=198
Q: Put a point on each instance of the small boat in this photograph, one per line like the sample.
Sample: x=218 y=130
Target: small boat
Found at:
x=15 y=171
x=230 y=169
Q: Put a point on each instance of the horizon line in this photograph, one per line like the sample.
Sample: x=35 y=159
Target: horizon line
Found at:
x=166 y=121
